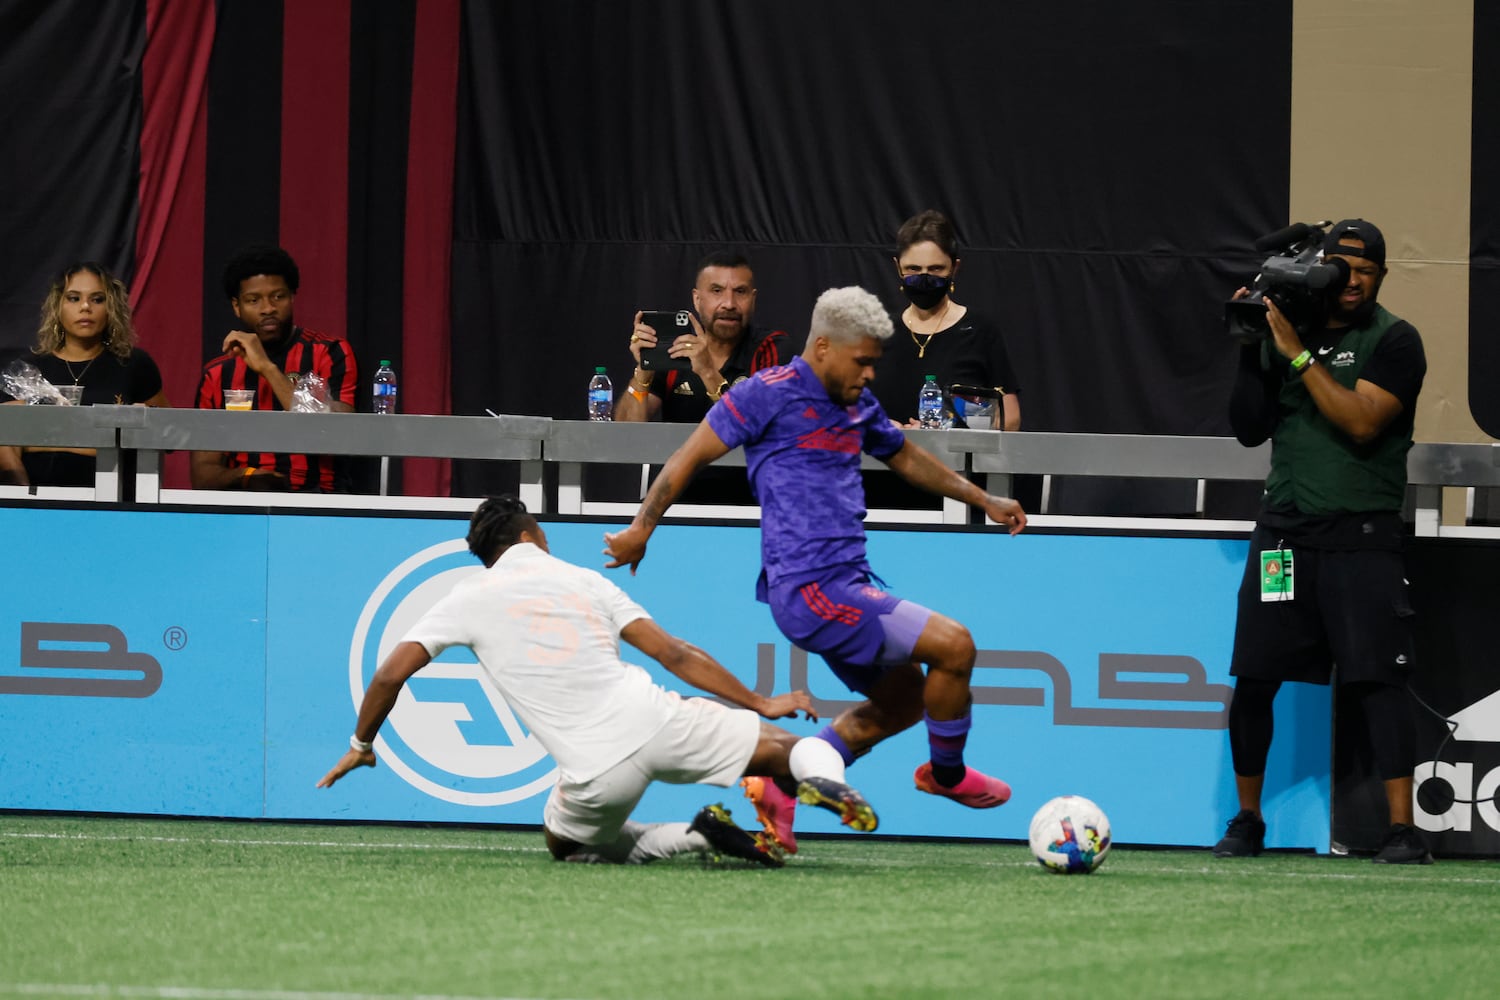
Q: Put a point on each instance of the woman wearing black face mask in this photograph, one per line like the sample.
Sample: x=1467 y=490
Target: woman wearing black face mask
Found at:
x=934 y=334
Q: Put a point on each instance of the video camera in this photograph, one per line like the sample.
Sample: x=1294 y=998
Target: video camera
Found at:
x=1303 y=285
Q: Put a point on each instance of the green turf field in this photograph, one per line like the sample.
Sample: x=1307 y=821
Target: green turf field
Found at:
x=247 y=911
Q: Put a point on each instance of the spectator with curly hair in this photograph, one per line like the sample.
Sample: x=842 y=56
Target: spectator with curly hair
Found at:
x=86 y=339
x=263 y=355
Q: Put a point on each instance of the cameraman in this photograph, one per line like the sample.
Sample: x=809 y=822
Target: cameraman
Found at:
x=1338 y=408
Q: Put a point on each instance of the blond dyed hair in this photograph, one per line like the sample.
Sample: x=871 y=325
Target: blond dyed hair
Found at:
x=844 y=315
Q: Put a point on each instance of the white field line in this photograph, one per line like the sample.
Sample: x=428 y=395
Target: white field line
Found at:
x=1236 y=869
x=1243 y=869
x=257 y=842
x=205 y=993
x=1374 y=872
x=1240 y=869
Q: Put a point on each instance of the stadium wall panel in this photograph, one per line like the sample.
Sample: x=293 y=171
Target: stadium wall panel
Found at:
x=1103 y=671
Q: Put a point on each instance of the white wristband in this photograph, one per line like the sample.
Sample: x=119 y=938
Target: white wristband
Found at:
x=355 y=743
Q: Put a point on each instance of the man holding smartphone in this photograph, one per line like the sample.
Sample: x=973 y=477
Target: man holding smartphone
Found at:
x=681 y=376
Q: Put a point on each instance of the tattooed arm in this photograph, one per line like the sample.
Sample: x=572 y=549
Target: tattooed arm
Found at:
x=629 y=546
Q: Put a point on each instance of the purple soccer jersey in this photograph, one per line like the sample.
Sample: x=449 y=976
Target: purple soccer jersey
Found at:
x=802 y=450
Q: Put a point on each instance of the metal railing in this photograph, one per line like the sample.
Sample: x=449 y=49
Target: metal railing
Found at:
x=538 y=442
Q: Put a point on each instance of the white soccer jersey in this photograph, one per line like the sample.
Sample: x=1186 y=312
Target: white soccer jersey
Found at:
x=548 y=635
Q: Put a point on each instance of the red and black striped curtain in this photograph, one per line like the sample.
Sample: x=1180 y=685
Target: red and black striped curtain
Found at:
x=484 y=192
x=176 y=131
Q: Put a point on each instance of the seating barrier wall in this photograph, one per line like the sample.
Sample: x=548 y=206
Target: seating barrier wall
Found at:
x=221 y=660
x=537 y=442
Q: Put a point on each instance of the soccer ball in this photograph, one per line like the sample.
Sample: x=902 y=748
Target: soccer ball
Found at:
x=1070 y=835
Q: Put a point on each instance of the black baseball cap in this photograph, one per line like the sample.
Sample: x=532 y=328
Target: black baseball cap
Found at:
x=1356 y=229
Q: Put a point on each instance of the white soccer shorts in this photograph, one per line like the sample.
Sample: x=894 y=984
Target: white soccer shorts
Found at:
x=702 y=743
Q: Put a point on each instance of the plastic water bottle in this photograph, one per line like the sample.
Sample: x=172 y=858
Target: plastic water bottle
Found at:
x=930 y=404
x=384 y=398
x=601 y=396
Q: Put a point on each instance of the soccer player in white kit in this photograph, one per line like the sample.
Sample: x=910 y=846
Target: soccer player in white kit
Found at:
x=546 y=634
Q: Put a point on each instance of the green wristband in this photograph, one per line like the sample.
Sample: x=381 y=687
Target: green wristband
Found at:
x=1301 y=361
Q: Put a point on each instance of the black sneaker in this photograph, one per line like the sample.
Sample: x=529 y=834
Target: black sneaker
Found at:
x=1404 y=846
x=841 y=800
x=727 y=839
x=1245 y=838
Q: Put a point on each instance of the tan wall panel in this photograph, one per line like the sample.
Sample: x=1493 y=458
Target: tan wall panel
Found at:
x=1381 y=125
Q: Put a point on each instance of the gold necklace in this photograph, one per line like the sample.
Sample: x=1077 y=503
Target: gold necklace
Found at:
x=922 y=344
x=86 y=367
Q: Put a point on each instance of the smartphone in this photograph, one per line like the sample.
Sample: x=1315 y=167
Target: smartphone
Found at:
x=668 y=326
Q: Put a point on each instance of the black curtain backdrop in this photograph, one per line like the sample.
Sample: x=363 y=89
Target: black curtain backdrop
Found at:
x=242 y=174
x=1107 y=165
x=1484 y=225
x=380 y=55
x=69 y=163
x=380 y=86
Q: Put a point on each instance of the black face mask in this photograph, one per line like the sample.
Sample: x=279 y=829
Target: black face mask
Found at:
x=926 y=290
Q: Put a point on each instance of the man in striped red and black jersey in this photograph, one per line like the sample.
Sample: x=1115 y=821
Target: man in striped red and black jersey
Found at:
x=261 y=282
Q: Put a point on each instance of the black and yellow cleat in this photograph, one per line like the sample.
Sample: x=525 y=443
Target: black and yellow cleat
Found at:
x=838 y=798
x=728 y=840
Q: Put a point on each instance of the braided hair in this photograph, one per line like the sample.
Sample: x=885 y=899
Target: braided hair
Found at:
x=496 y=526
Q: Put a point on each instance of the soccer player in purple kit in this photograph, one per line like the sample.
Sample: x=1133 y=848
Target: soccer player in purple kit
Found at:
x=803 y=427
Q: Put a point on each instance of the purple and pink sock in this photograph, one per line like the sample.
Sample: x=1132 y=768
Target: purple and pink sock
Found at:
x=945 y=740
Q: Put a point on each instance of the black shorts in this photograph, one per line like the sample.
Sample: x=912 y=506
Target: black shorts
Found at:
x=1350 y=613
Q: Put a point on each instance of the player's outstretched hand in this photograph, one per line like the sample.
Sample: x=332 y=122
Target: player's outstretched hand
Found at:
x=784 y=706
x=1005 y=511
x=625 y=547
x=351 y=759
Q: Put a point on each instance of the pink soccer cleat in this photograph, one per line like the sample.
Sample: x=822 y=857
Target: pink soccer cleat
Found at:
x=774 y=808
x=977 y=791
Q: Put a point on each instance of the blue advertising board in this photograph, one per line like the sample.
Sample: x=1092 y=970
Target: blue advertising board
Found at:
x=132 y=662
x=1102 y=671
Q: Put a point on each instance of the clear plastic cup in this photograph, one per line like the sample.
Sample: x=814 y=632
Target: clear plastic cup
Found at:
x=72 y=393
x=239 y=399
